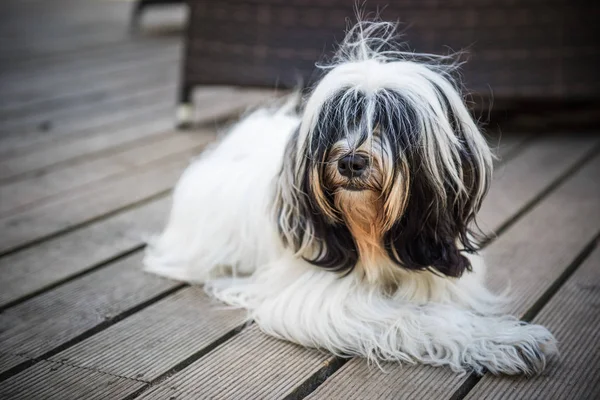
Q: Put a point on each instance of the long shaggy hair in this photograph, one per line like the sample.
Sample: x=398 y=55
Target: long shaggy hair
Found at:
x=348 y=225
x=428 y=165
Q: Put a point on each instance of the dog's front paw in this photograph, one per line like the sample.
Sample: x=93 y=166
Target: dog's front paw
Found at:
x=519 y=348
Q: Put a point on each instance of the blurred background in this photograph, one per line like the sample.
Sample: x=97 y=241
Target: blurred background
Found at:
x=534 y=57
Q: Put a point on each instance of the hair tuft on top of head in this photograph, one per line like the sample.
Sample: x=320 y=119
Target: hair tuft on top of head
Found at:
x=373 y=39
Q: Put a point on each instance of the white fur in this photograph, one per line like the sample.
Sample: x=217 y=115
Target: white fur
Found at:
x=218 y=221
x=222 y=232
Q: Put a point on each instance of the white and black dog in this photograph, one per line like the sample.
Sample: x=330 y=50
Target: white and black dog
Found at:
x=347 y=226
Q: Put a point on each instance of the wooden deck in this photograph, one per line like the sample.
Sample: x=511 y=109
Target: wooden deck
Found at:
x=87 y=161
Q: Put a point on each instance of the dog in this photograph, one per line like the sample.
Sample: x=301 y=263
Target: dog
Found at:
x=346 y=221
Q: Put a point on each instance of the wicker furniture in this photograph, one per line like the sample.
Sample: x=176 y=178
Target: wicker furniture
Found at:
x=518 y=49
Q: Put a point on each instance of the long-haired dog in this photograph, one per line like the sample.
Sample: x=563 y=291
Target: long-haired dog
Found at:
x=347 y=226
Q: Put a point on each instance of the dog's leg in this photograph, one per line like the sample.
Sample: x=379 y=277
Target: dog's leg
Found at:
x=318 y=309
x=464 y=341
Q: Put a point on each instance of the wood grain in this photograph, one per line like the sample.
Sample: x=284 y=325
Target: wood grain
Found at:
x=133 y=131
x=46 y=82
x=39 y=325
x=55 y=381
x=143 y=77
x=82 y=115
x=212 y=377
x=61 y=183
x=521 y=180
x=151 y=342
x=17 y=143
x=33 y=269
x=87 y=205
x=35 y=150
x=573 y=315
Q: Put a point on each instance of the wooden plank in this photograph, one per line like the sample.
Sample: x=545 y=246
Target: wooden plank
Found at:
x=72 y=148
x=60 y=183
x=42 y=222
x=212 y=103
x=24 y=141
x=98 y=92
x=190 y=325
x=76 y=28
x=532 y=254
x=226 y=374
x=80 y=113
x=82 y=60
x=177 y=327
x=56 y=381
x=35 y=153
x=43 y=49
x=573 y=314
x=519 y=182
x=41 y=324
x=44 y=322
x=35 y=81
x=33 y=269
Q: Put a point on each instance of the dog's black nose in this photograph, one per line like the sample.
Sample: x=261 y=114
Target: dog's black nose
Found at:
x=353 y=165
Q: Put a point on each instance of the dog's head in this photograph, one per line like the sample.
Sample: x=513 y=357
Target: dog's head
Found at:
x=387 y=168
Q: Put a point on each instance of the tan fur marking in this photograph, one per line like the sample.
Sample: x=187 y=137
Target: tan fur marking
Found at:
x=361 y=211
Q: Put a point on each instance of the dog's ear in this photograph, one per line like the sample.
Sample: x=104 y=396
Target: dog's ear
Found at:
x=300 y=210
x=449 y=178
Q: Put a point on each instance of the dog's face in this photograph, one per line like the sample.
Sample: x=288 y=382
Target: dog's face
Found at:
x=386 y=171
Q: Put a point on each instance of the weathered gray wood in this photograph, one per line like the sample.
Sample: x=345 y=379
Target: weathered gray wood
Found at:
x=229 y=371
x=131 y=132
x=51 y=218
x=166 y=336
x=523 y=178
x=151 y=342
x=24 y=141
x=43 y=149
x=530 y=255
x=61 y=183
x=71 y=74
x=38 y=267
x=153 y=74
x=56 y=381
x=41 y=324
x=8 y=361
x=85 y=60
x=573 y=314
x=80 y=114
